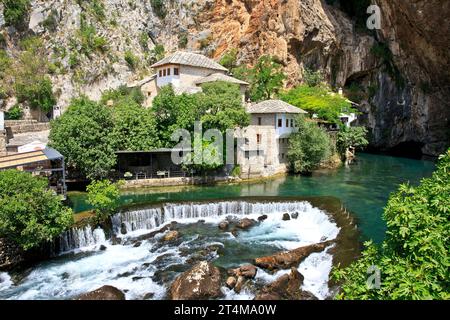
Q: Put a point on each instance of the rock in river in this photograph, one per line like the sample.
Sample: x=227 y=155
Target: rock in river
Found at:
x=288 y=259
x=200 y=282
x=171 y=235
x=248 y=271
x=245 y=223
x=224 y=225
x=286 y=287
x=103 y=293
x=286 y=217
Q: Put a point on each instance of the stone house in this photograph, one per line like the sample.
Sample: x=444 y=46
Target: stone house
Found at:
x=264 y=143
x=186 y=72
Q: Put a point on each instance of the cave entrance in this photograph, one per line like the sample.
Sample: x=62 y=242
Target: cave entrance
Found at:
x=408 y=149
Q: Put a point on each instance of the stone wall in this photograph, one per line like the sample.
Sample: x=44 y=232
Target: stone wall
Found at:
x=3 y=142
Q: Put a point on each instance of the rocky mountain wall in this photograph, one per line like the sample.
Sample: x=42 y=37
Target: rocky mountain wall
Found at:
x=403 y=92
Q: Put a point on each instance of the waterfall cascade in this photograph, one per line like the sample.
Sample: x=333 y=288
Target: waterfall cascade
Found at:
x=151 y=218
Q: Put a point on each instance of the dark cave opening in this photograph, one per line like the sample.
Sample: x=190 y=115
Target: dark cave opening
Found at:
x=407 y=149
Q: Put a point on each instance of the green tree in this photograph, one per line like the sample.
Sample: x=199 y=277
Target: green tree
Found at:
x=221 y=105
x=318 y=100
x=84 y=135
x=16 y=12
x=29 y=212
x=134 y=127
x=355 y=137
x=414 y=258
x=104 y=196
x=308 y=147
x=266 y=78
x=123 y=94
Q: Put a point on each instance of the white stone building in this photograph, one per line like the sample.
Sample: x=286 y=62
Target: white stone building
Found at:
x=186 y=72
x=264 y=149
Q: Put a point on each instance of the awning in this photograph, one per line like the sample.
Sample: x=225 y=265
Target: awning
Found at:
x=161 y=150
x=26 y=158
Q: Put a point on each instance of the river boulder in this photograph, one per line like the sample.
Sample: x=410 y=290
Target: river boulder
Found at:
x=288 y=259
x=103 y=293
x=286 y=287
x=263 y=217
x=245 y=223
x=224 y=225
x=202 y=281
x=247 y=271
x=171 y=236
x=286 y=217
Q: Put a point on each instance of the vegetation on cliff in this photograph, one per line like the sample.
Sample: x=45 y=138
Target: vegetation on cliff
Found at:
x=413 y=261
x=30 y=213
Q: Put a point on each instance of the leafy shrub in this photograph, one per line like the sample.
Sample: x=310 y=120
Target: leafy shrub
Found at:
x=74 y=60
x=39 y=94
x=236 y=172
x=15 y=113
x=355 y=137
x=308 y=147
x=104 y=196
x=182 y=40
x=51 y=22
x=157 y=53
x=313 y=78
x=143 y=40
x=16 y=12
x=159 y=8
x=229 y=59
x=30 y=213
x=90 y=41
x=5 y=62
x=131 y=59
x=413 y=259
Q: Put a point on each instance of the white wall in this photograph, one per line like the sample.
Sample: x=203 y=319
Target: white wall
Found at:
x=284 y=130
x=165 y=80
x=2 y=120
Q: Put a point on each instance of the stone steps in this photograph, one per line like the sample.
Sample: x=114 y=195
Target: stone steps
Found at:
x=15 y=127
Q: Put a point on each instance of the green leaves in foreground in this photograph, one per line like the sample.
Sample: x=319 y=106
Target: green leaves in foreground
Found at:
x=414 y=258
x=30 y=213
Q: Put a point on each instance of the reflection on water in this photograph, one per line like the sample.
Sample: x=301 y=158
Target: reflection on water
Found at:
x=363 y=187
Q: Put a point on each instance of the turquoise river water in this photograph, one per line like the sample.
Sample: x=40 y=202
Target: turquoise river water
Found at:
x=363 y=187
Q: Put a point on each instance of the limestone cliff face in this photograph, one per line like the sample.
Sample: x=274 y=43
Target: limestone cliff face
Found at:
x=417 y=32
x=301 y=33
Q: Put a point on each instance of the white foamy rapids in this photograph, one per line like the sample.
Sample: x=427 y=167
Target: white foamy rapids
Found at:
x=311 y=226
x=232 y=295
x=146 y=219
x=5 y=281
x=316 y=269
x=81 y=238
x=118 y=266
